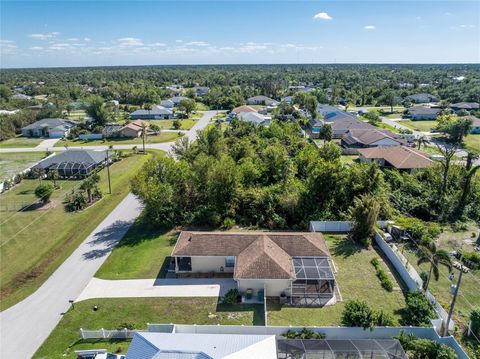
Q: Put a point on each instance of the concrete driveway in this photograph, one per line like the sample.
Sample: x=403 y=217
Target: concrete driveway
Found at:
x=184 y=287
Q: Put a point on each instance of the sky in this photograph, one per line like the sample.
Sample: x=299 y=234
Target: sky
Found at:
x=99 y=33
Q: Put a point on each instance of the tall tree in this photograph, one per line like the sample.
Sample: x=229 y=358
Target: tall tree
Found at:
x=364 y=214
x=430 y=254
x=98 y=111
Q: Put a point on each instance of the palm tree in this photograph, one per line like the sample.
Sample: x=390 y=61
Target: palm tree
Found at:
x=422 y=140
x=144 y=134
x=430 y=254
x=54 y=176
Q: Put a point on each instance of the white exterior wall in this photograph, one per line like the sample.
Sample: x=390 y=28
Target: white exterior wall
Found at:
x=209 y=264
x=274 y=287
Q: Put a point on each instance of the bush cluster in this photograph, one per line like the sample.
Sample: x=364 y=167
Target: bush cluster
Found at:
x=357 y=313
x=305 y=333
x=385 y=281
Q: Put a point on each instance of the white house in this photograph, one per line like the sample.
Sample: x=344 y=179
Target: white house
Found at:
x=262 y=100
x=49 y=127
x=293 y=265
x=255 y=118
x=156 y=113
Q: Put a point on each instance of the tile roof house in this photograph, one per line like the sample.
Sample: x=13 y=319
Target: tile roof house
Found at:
x=362 y=138
x=49 y=127
x=262 y=100
x=156 y=113
x=423 y=113
x=296 y=264
x=422 y=98
x=73 y=162
x=153 y=345
x=243 y=108
x=133 y=129
x=399 y=157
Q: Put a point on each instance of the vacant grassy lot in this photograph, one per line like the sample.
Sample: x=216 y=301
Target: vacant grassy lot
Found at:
x=473 y=142
x=162 y=137
x=386 y=126
x=168 y=124
x=35 y=242
x=357 y=280
x=13 y=163
x=137 y=312
x=144 y=248
x=423 y=126
x=20 y=141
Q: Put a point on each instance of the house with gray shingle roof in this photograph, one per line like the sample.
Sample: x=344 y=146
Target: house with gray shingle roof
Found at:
x=49 y=127
x=262 y=100
x=156 y=113
x=423 y=113
x=295 y=265
x=422 y=98
x=73 y=162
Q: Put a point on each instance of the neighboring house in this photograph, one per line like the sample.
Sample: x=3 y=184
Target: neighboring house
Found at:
x=21 y=96
x=73 y=162
x=331 y=113
x=151 y=345
x=243 y=108
x=287 y=99
x=201 y=91
x=175 y=89
x=362 y=138
x=156 y=113
x=111 y=130
x=177 y=99
x=422 y=98
x=293 y=265
x=262 y=100
x=114 y=103
x=49 y=127
x=133 y=129
x=398 y=157
x=314 y=127
x=167 y=104
x=423 y=113
x=342 y=125
x=465 y=106
x=255 y=118
x=475 y=125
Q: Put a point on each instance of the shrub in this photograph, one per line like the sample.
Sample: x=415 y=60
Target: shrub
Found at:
x=420 y=231
x=475 y=319
x=228 y=223
x=231 y=297
x=417 y=348
x=303 y=334
x=357 y=313
x=418 y=310
x=177 y=125
x=126 y=325
x=382 y=275
x=471 y=259
x=375 y=262
x=44 y=191
x=383 y=319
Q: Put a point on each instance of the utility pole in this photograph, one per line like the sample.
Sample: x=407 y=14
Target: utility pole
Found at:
x=445 y=331
x=108 y=175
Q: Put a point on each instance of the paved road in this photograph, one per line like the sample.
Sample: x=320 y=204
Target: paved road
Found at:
x=136 y=288
x=25 y=326
x=191 y=134
x=394 y=123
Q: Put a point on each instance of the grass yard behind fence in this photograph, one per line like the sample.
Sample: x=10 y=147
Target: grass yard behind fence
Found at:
x=28 y=260
x=16 y=162
x=356 y=279
x=136 y=313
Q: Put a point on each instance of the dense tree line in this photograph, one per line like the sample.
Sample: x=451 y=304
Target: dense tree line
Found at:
x=271 y=177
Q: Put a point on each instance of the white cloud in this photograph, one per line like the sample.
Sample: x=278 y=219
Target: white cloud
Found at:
x=87 y=39
x=197 y=43
x=36 y=48
x=178 y=41
x=8 y=47
x=73 y=39
x=157 y=44
x=322 y=16
x=467 y=26
x=129 y=41
x=369 y=27
x=44 y=37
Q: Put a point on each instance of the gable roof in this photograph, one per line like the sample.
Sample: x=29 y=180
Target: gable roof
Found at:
x=368 y=136
x=253 y=117
x=475 y=120
x=422 y=97
x=260 y=98
x=423 y=111
x=400 y=157
x=50 y=123
x=265 y=255
x=243 y=108
x=156 y=110
x=85 y=157
x=466 y=105
x=346 y=124
x=150 y=345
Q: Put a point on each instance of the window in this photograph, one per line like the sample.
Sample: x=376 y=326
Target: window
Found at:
x=230 y=262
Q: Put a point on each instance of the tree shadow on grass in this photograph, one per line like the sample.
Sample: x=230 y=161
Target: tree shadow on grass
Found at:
x=344 y=247
x=257 y=309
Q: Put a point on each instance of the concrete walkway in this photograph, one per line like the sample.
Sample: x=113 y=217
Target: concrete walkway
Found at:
x=25 y=326
x=46 y=144
x=188 y=287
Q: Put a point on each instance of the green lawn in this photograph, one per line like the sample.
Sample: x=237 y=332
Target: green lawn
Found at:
x=394 y=115
x=35 y=242
x=349 y=159
x=423 y=126
x=386 y=126
x=20 y=141
x=113 y=313
x=202 y=107
x=356 y=279
x=162 y=137
x=144 y=248
x=13 y=163
x=473 y=142
x=168 y=124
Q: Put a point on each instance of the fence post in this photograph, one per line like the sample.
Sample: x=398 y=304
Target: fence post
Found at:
x=103 y=333
x=126 y=333
x=469 y=328
x=81 y=333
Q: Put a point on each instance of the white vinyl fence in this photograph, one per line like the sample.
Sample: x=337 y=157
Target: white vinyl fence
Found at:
x=107 y=334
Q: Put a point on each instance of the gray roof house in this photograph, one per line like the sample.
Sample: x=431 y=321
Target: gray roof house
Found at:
x=255 y=118
x=167 y=103
x=49 y=127
x=156 y=113
x=422 y=98
x=423 y=113
x=262 y=100
x=364 y=138
x=73 y=162
x=465 y=106
x=177 y=99
x=201 y=91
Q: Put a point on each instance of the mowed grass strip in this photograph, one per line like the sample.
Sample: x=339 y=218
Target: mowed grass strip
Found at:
x=168 y=124
x=137 y=312
x=423 y=126
x=357 y=280
x=144 y=248
x=162 y=137
x=13 y=163
x=20 y=141
x=34 y=243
